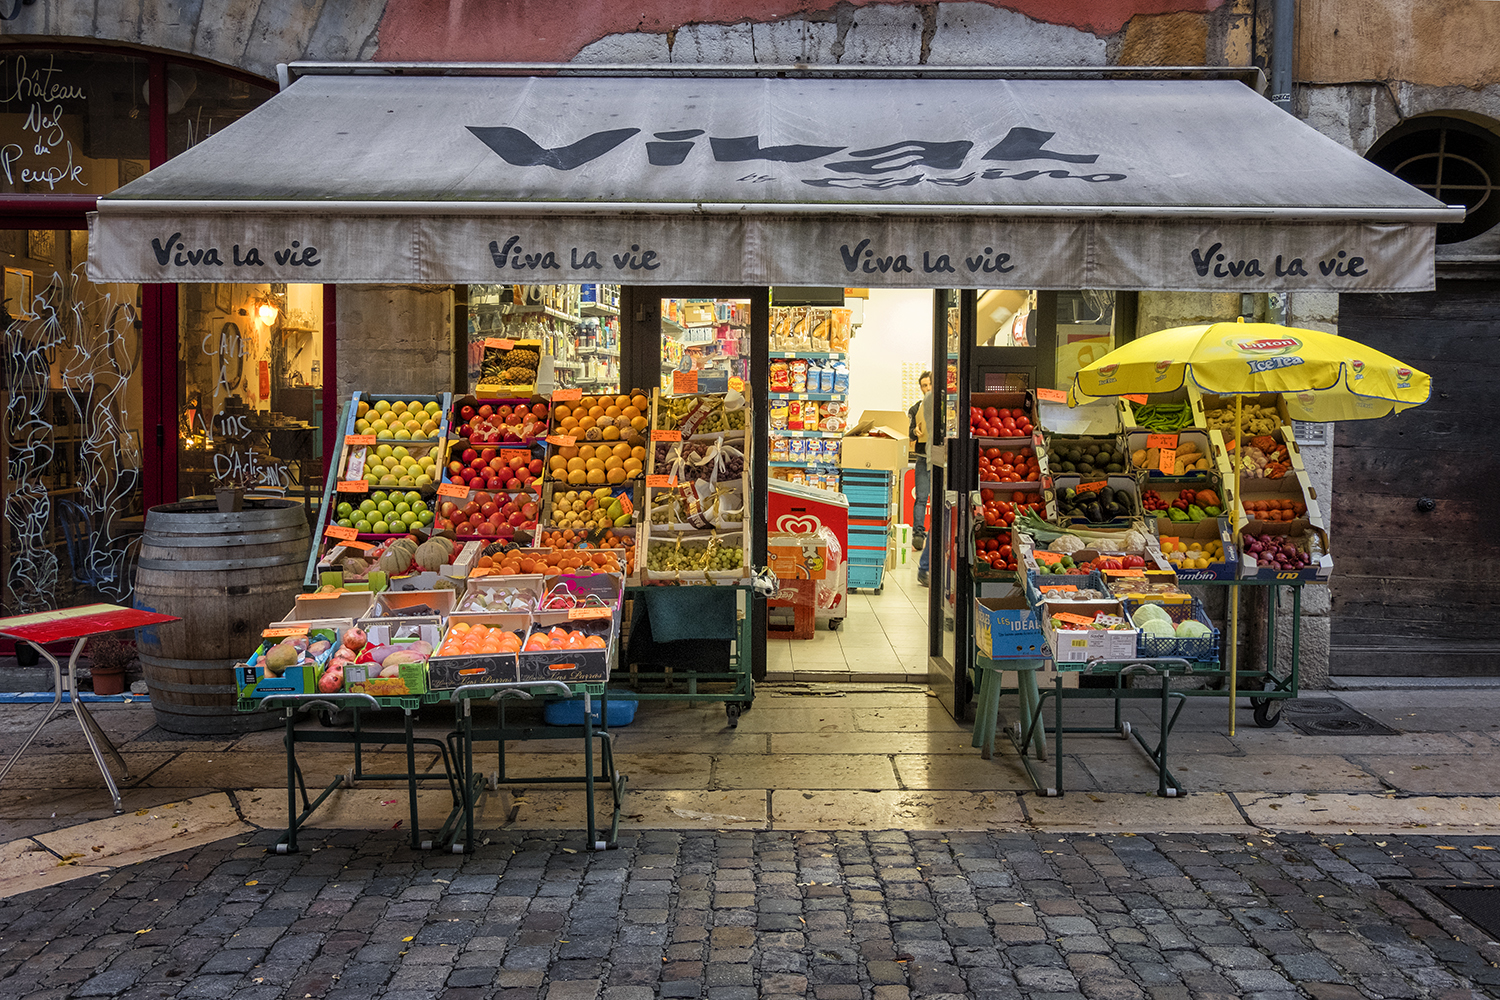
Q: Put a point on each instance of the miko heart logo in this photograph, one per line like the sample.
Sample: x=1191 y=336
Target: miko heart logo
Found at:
x=792 y=524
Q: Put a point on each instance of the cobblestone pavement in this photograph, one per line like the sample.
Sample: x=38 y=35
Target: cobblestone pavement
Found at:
x=731 y=915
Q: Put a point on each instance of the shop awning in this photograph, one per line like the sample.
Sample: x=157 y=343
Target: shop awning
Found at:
x=1110 y=184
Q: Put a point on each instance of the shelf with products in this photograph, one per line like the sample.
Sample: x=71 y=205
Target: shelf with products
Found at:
x=812 y=355
x=804 y=464
x=825 y=397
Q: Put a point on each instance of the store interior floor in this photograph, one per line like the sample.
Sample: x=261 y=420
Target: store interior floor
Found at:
x=882 y=639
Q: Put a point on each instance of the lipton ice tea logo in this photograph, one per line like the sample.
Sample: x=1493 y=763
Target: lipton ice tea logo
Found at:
x=1107 y=374
x=1268 y=353
x=1162 y=368
x=1403 y=378
x=1357 y=367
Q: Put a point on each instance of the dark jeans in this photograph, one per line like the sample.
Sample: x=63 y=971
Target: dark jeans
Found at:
x=919 y=503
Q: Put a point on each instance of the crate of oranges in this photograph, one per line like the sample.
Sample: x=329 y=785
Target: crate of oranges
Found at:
x=478 y=649
x=553 y=562
x=604 y=418
x=608 y=463
x=571 y=650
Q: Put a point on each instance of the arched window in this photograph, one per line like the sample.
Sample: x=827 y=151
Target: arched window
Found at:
x=1455 y=161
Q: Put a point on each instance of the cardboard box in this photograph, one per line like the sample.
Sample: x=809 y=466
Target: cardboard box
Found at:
x=253 y=681
x=1136 y=441
x=1077 y=646
x=1005 y=628
x=1213 y=529
x=1187 y=392
x=876 y=441
x=1101 y=417
x=329 y=607
x=1301 y=533
x=444 y=673
x=528 y=585
x=389 y=602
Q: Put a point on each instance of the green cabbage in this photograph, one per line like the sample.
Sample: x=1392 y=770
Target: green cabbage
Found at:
x=1191 y=629
x=1151 y=612
x=1157 y=629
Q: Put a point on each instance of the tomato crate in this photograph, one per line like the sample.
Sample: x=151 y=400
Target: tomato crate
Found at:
x=1204 y=649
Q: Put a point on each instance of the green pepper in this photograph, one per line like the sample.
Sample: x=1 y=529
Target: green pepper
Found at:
x=1196 y=513
x=1177 y=514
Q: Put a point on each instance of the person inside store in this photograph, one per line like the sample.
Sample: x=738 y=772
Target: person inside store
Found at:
x=923 y=418
x=917 y=430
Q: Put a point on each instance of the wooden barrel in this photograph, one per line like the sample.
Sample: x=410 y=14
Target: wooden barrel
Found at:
x=227 y=576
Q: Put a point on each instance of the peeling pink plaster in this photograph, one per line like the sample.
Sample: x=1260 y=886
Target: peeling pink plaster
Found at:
x=549 y=31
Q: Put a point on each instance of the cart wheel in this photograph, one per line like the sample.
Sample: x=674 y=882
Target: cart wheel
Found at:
x=1125 y=730
x=349 y=778
x=834 y=623
x=1263 y=717
x=878 y=590
x=732 y=710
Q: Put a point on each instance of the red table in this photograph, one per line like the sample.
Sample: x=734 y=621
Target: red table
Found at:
x=79 y=624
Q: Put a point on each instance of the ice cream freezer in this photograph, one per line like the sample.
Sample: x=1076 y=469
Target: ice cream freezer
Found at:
x=807 y=510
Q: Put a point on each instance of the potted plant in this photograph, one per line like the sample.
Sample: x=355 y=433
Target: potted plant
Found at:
x=229 y=490
x=108 y=658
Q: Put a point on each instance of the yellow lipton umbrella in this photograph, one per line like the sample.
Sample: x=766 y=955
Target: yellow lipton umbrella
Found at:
x=1321 y=376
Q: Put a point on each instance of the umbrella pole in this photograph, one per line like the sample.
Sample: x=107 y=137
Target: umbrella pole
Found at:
x=1234 y=588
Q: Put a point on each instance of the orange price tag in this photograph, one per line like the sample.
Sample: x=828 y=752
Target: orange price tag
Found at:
x=284 y=632
x=353 y=486
x=356 y=544
x=666 y=435
x=684 y=383
x=453 y=490
x=1052 y=395
x=357 y=439
x=1063 y=587
x=499 y=343
x=562 y=440
x=1090 y=487
x=1047 y=558
x=1161 y=440
x=1168 y=461
x=661 y=481
x=576 y=614
x=625 y=504
x=1072 y=619
x=566 y=395
x=1124 y=572
x=339 y=531
x=321 y=597
x=506 y=454
x=1139 y=397
x=737 y=384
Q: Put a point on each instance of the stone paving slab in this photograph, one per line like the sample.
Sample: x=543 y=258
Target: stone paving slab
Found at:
x=1390 y=812
x=1437 y=774
x=877 y=915
x=873 y=810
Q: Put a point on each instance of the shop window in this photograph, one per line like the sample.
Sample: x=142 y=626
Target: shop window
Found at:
x=1002 y=317
x=201 y=103
x=71 y=447
x=1455 y=161
x=251 y=381
x=575 y=330
x=71 y=123
x=1085 y=331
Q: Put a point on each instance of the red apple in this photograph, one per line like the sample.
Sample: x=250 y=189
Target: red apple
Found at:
x=483 y=498
x=469 y=455
x=454 y=468
x=529 y=509
x=494 y=483
x=466 y=412
x=512 y=483
x=487 y=453
x=470 y=509
x=486 y=411
x=539 y=410
x=517 y=461
x=535 y=467
x=478 y=463
x=485 y=529
x=517 y=519
x=488 y=508
x=503 y=410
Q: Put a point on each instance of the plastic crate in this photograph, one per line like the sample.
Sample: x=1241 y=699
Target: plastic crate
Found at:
x=570 y=712
x=1203 y=649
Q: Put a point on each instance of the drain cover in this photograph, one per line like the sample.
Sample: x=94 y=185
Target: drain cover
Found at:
x=1331 y=717
x=1315 y=706
x=1479 y=904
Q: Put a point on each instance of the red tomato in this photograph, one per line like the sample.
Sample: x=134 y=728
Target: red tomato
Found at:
x=1010 y=517
x=990 y=412
x=990 y=519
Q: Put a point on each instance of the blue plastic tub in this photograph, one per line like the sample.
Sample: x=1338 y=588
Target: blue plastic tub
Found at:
x=570 y=712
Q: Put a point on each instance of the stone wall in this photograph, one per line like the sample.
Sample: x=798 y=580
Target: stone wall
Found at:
x=395 y=338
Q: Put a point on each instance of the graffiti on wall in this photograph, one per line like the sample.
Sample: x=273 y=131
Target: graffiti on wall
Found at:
x=70 y=358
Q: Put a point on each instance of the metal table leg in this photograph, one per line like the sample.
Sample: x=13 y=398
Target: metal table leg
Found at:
x=98 y=741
